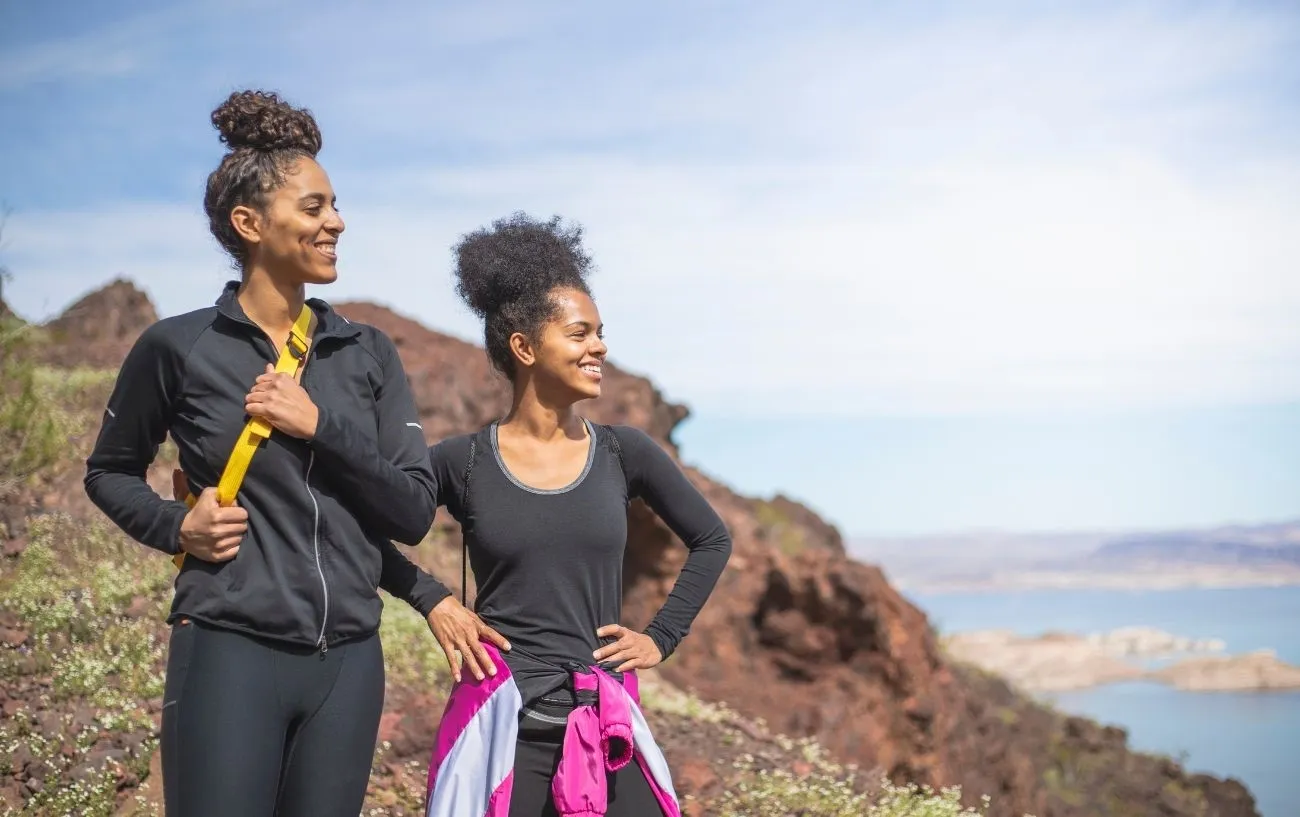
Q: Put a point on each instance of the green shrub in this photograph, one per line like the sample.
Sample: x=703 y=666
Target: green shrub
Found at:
x=411 y=654
x=126 y=652
x=74 y=574
x=33 y=430
x=779 y=528
x=92 y=797
x=922 y=801
x=780 y=793
x=71 y=588
x=94 y=794
x=658 y=696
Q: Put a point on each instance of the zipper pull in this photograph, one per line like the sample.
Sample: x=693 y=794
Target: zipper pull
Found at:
x=324 y=647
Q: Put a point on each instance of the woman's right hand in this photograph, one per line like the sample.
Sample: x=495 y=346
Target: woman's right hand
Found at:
x=210 y=532
x=458 y=631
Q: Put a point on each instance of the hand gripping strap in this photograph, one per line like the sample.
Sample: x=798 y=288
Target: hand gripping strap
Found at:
x=292 y=358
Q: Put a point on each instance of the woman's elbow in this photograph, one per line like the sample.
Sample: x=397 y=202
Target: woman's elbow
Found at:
x=92 y=484
x=410 y=531
x=412 y=527
x=725 y=547
x=720 y=542
x=411 y=520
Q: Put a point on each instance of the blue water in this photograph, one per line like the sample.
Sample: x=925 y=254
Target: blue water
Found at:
x=1254 y=737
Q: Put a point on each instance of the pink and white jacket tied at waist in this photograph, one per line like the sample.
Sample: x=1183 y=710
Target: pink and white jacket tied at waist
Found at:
x=472 y=769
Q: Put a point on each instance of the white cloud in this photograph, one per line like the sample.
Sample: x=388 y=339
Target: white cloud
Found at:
x=1087 y=210
x=118 y=50
x=165 y=249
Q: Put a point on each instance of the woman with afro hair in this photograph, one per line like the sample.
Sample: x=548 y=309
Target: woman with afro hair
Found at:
x=275 y=675
x=550 y=724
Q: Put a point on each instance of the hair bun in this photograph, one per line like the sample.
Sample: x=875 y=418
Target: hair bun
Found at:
x=261 y=120
x=518 y=259
x=507 y=274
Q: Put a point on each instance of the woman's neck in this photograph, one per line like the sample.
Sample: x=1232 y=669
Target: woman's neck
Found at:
x=531 y=415
x=271 y=304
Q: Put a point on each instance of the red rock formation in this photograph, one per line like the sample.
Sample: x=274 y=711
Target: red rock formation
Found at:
x=99 y=329
x=800 y=635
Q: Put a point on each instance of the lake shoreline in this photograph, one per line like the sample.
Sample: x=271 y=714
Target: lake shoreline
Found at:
x=1063 y=661
x=1252 y=736
x=1049 y=580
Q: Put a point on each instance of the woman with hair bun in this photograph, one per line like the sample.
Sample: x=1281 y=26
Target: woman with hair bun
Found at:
x=542 y=496
x=275 y=674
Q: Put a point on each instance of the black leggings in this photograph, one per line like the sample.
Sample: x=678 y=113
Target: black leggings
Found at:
x=256 y=728
x=537 y=755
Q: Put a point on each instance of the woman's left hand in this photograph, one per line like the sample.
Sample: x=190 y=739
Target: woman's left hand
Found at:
x=283 y=403
x=635 y=650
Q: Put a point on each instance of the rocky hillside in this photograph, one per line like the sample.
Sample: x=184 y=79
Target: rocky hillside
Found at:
x=799 y=637
x=98 y=330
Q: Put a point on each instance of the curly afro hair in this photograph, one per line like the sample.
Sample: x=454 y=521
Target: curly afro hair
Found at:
x=507 y=274
x=266 y=136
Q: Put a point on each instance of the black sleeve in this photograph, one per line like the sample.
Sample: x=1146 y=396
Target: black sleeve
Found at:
x=450 y=461
x=135 y=424
x=400 y=577
x=653 y=476
x=404 y=580
x=391 y=485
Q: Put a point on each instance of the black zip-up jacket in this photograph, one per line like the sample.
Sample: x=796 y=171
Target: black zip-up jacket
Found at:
x=321 y=513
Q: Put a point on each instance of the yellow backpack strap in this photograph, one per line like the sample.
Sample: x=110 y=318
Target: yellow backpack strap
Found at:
x=292 y=358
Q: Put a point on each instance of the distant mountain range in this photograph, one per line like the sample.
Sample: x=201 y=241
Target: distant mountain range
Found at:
x=1263 y=546
x=1236 y=555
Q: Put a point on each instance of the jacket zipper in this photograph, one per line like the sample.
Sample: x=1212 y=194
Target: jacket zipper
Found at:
x=315 y=531
x=315 y=524
x=315 y=544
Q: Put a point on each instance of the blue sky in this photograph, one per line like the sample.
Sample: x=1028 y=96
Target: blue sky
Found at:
x=929 y=267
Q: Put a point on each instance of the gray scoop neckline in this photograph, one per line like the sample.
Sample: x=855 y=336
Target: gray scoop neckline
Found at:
x=586 y=469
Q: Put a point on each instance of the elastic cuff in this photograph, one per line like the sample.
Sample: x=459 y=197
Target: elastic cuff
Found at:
x=425 y=602
x=661 y=641
x=325 y=430
x=173 y=538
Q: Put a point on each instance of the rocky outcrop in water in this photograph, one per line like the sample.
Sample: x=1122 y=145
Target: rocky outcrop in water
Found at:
x=1055 y=662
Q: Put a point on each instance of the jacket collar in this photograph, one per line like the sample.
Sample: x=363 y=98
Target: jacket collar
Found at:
x=328 y=322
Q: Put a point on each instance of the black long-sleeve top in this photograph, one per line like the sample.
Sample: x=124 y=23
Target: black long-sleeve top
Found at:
x=548 y=564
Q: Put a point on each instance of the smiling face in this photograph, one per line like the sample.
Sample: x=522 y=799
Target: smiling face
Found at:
x=567 y=360
x=294 y=236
